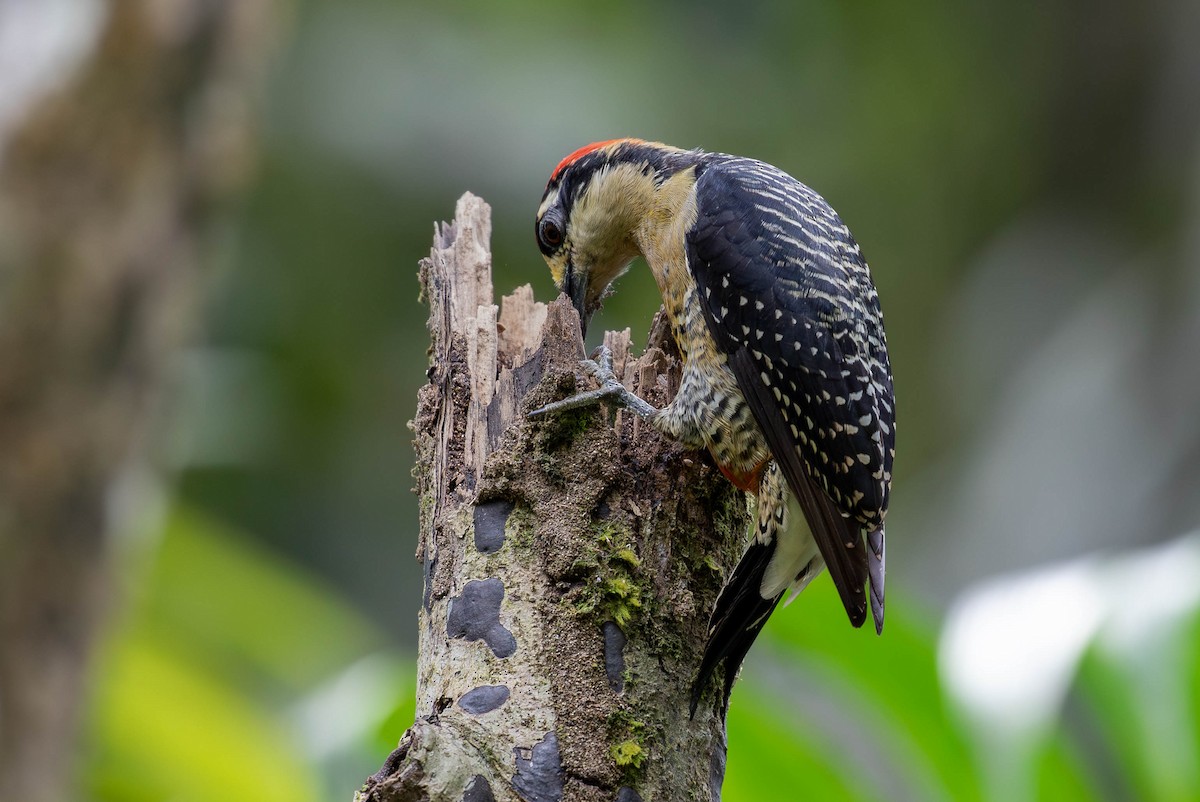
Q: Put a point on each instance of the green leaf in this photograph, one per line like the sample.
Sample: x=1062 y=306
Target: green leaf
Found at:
x=162 y=729
x=1143 y=696
x=1061 y=772
x=228 y=602
x=888 y=687
x=203 y=683
x=771 y=757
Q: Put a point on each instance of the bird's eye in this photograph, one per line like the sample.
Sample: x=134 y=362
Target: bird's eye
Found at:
x=551 y=234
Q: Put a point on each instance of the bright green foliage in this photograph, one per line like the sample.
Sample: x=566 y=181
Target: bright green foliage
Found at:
x=886 y=688
x=233 y=684
x=166 y=729
x=845 y=715
x=771 y=756
x=234 y=676
x=221 y=599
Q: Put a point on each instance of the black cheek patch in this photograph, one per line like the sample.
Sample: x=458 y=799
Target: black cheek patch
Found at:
x=475 y=615
x=480 y=790
x=483 y=699
x=539 y=776
x=614 y=656
x=489 y=525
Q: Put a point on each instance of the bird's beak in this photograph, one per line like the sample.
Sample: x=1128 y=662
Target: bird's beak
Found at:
x=576 y=287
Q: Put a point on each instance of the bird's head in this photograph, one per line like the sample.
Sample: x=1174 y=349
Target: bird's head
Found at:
x=590 y=213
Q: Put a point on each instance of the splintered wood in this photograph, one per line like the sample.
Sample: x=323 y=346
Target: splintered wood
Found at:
x=501 y=344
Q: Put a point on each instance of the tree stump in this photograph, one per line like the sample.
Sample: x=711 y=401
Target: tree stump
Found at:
x=570 y=562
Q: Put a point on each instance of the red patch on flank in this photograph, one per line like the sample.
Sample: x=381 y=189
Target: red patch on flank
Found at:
x=747 y=481
x=585 y=150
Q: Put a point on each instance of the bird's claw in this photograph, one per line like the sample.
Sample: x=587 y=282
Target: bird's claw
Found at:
x=599 y=367
x=601 y=361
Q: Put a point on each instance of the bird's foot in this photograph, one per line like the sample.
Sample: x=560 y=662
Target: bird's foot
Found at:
x=610 y=389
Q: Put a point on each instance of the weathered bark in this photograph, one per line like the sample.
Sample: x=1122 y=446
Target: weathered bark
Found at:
x=570 y=562
x=107 y=190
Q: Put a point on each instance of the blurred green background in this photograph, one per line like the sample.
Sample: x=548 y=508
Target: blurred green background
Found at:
x=1024 y=179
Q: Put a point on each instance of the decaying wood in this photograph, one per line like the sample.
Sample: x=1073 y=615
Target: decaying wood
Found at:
x=108 y=187
x=570 y=562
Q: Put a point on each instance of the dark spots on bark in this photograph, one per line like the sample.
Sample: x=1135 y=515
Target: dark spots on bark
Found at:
x=483 y=699
x=524 y=377
x=489 y=525
x=614 y=656
x=475 y=615
x=480 y=790
x=627 y=794
x=529 y=375
x=716 y=768
x=539 y=776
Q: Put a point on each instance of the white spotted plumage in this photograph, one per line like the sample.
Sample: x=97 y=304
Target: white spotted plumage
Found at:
x=786 y=375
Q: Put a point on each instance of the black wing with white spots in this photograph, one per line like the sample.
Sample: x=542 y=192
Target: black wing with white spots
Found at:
x=788 y=297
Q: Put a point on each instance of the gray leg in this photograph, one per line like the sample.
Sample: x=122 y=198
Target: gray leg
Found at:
x=610 y=390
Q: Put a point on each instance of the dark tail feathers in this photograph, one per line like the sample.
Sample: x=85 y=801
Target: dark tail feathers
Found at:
x=738 y=617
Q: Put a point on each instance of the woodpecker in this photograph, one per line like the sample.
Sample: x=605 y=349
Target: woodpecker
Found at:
x=786 y=378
